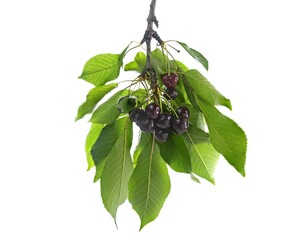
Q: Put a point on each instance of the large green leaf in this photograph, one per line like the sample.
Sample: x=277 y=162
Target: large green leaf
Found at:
x=203 y=155
x=149 y=184
x=108 y=112
x=101 y=68
x=175 y=153
x=91 y=138
x=106 y=140
x=117 y=172
x=201 y=87
x=226 y=136
x=196 y=55
x=144 y=140
x=92 y=98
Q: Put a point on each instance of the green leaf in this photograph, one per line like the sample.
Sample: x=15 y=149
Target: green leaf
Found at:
x=226 y=136
x=140 y=94
x=144 y=140
x=123 y=54
x=101 y=68
x=175 y=153
x=182 y=95
x=126 y=104
x=179 y=65
x=159 y=60
x=131 y=66
x=189 y=92
x=91 y=138
x=92 y=98
x=196 y=118
x=204 y=157
x=201 y=87
x=149 y=184
x=137 y=65
x=140 y=59
x=196 y=55
x=104 y=143
x=108 y=112
x=198 y=135
x=117 y=172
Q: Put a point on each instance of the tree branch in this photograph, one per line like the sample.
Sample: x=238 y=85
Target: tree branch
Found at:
x=149 y=34
x=151 y=17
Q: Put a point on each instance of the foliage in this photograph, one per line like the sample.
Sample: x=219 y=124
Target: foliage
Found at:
x=142 y=177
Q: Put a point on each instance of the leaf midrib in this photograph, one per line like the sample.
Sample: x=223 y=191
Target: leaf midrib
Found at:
x=210 y=87
x=149 y=178
x=104 y=69
x=194 y=145
x=124 y=158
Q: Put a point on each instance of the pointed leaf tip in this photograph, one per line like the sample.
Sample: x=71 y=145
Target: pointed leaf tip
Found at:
x=101 y=68
x=196 y=55
x=117 y=171
x=226 y=136
x=149 y=184
x=92 y=98
x=203 y=88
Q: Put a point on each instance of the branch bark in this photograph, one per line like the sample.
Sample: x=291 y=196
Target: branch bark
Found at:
x=149 y=34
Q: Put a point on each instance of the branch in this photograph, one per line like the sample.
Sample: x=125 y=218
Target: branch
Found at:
x=149 y=34
x=151 y=17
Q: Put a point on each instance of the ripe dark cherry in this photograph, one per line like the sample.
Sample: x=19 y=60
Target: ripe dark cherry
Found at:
x=170 y=80
x=183 y=112
x=152 y=110
x=146 y=124
x=164 y=121
x=136 y=114
x=180 y=125
x=161 y=135
x=170 y=94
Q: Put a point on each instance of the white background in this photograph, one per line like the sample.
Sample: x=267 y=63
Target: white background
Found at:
x=45 y=191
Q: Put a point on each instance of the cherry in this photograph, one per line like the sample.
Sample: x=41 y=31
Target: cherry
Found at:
x=170 y=94
x=136 y=114
x=164 y=120
x=161 y=135
x=183 y=112
x=152 y=110
x=146 y=124
x=170 y=80
x=180 y=125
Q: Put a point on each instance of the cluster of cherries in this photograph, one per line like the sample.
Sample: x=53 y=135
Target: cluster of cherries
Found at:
x=162 y=124
x=151 y=120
